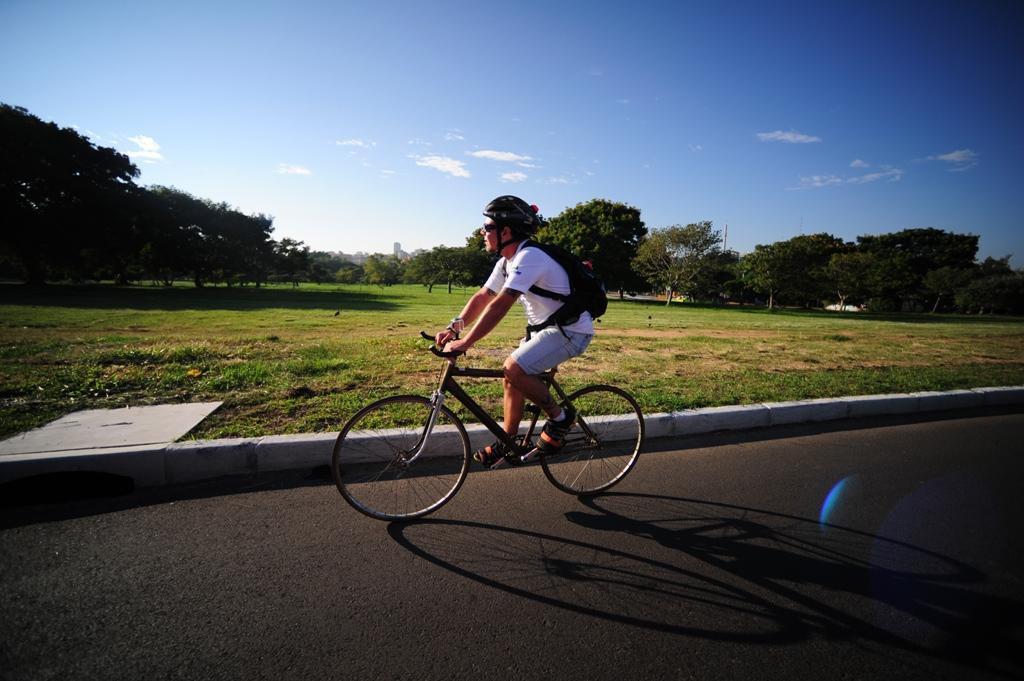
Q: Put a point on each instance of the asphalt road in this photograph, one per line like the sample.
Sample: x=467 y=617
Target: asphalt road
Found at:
x=718 y=558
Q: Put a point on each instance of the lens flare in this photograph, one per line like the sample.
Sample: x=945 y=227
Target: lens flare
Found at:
x=833 y=499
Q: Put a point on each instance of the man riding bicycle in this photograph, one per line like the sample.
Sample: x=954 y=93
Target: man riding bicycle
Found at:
x=509 y=222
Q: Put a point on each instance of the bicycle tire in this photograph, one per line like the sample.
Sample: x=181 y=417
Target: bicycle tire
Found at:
x=369 y=465
x=600 y=449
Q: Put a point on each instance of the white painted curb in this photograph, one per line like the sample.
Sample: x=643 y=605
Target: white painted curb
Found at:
x=193 y=460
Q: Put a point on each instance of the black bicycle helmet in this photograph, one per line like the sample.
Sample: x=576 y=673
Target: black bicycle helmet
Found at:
x=513 y=212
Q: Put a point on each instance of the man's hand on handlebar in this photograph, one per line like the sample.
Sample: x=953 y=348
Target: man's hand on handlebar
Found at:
x=445 y=337
x=458 y=346
x=437 y=347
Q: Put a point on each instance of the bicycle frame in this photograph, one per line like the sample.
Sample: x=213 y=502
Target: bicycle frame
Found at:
x=448 y=385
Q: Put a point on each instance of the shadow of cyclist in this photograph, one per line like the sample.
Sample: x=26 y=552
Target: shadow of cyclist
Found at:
x=734 y=574
x=922 y=600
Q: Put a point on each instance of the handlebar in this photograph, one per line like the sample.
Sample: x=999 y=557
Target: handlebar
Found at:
x=440 y=353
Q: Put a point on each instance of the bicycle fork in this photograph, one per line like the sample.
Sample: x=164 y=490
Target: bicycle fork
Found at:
x=436 y=402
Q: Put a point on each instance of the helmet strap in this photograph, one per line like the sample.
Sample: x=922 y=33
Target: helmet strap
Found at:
x=512 y=239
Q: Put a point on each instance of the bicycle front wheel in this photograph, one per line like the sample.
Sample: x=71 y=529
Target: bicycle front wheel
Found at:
x=604 y=444
x=384 y=468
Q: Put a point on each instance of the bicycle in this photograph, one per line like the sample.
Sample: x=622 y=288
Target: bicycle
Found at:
x=405 y=456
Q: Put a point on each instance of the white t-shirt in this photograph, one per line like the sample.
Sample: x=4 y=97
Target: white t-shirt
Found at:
x=528 y=267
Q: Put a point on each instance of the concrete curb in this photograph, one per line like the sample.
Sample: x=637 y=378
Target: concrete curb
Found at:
x=194 y=460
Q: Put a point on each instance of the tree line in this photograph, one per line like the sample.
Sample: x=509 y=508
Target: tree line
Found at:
x=919 y=269
x=72 y=211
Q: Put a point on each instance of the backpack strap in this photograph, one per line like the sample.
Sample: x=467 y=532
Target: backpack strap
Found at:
x=545 y=293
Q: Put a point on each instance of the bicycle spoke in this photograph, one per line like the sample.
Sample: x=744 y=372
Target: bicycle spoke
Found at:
x=603 y=445
x=371 y=468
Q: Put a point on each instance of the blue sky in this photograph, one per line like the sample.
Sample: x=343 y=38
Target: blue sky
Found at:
x=360 y=124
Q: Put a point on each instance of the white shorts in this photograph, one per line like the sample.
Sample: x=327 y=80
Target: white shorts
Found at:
x=548 y=348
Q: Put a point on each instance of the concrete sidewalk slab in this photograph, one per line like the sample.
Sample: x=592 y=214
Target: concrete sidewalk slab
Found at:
x=102 y=428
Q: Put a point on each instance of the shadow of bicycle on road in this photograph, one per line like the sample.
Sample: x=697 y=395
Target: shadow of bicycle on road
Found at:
x=727 y=573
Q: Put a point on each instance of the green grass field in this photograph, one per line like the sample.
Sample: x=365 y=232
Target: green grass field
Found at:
x=283 y=361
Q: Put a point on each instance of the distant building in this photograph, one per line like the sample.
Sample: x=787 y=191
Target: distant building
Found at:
x=357 y=258
x=360 y=257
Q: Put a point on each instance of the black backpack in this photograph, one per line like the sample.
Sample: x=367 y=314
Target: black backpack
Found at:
x=586 y=290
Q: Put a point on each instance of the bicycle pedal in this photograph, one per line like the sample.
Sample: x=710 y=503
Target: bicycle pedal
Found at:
x=530 y=455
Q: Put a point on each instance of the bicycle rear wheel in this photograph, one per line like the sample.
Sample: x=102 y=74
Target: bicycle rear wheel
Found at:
x=371 y=461
x=603 y=445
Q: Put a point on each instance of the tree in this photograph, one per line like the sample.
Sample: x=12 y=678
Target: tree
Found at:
x=994 y=293
x=671 y=258
x=211 y=241
x=175 y=245
x=762 y=270
x=795 y=270
x=382 y=270
x=605 y=232
x=850 y=274
x=803 y=275
x=945 y=281
x=916 y=252
x=292 y=258
x=56 y=187
x=349 y=273
x=327 y=262
x=712 y=282
x=891 y=283
x=992 y=266
x=446 y=264
x=478 y=262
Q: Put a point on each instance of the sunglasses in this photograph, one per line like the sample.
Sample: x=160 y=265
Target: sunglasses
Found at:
x=491 y=228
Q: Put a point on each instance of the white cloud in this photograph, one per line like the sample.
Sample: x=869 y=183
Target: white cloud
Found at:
x=528 y=165
x=506 y=156
x=443 y=164
x=788 y=137
x=362 y=144
x=890 y=174
x=696 y=147
x=560 y=180
x=288 y=169
x=145 y=143
x=857 y=163
x=454 y=136
x=819 y=181
x=148 y=150
x=513 y=177
x=816 y=181
x=961 y=159
x=417 y=142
